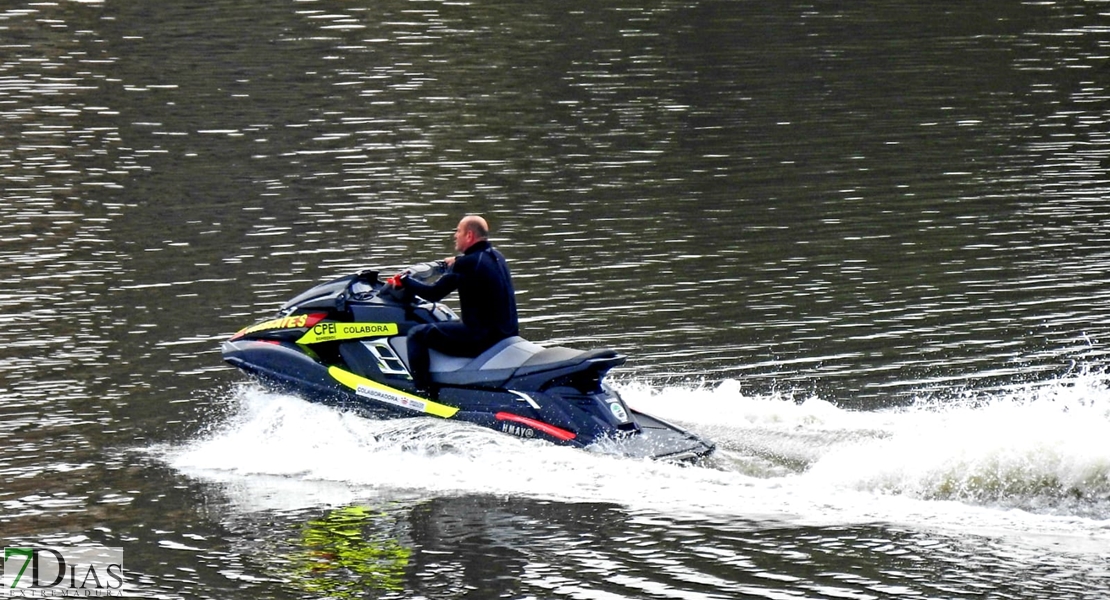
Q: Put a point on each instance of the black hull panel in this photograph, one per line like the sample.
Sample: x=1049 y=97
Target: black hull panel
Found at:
x=285 y=369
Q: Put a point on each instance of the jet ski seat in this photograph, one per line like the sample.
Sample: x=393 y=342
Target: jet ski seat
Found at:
x=511 y=356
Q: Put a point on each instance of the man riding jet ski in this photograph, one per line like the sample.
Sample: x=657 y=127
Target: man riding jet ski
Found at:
x=357 y=342
x=486 y=296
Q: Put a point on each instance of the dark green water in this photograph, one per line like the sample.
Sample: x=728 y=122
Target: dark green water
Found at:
x=863 y=246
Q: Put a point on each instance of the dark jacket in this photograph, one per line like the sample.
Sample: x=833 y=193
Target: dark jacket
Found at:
x=486 y=295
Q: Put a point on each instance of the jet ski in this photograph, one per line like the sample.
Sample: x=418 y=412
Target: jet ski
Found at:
x=343 y=343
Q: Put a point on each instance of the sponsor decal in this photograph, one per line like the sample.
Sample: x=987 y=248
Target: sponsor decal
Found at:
x=390 y=398
x=372 y=390
x=58 y=572
x=331 y=331
x=618 y=411
x=290 y=322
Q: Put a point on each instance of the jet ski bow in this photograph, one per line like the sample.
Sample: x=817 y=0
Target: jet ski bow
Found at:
x=343 y=343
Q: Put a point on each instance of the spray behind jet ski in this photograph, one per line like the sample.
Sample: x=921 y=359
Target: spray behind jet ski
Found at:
x=343 y=343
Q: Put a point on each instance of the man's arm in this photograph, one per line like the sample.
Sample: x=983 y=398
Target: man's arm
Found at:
x=435 y=292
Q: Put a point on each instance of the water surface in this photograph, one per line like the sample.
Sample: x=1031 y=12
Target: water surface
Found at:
x=862 y=247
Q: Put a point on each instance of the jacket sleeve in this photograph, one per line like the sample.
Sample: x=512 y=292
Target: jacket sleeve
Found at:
x=435 y=292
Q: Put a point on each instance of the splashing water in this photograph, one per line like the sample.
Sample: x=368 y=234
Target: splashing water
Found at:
x=1040 y=448
x=948 y=465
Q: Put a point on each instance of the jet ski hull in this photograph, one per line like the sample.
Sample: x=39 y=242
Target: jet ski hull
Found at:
x=346 y=348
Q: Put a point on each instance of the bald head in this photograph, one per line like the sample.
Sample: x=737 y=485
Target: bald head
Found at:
x=471 y=230
x=475 y=224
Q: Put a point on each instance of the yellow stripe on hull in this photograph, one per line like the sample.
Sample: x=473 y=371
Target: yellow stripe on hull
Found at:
x=368 y=388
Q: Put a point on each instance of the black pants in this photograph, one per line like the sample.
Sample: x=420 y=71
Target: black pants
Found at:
x=452 y=338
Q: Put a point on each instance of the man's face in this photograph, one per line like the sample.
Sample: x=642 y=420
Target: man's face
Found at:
x=462 y=238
